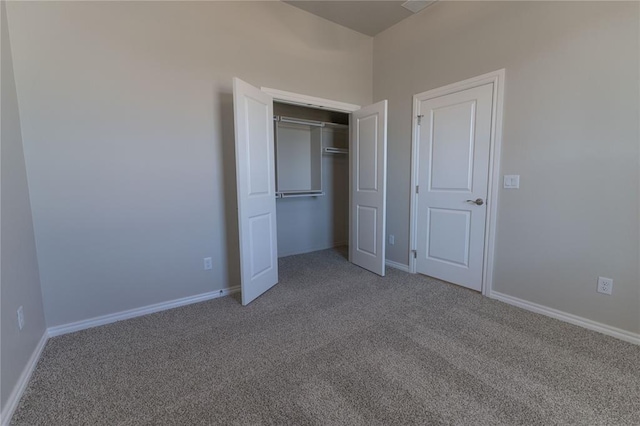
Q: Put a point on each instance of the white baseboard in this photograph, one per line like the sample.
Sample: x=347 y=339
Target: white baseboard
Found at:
x=396 y=265
x=136 y=312
x=566 y=317
x=23 y=381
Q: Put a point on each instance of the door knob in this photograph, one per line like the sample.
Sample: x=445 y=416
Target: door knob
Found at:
x=477 y=201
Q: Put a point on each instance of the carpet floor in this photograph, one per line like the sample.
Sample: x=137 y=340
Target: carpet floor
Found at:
x=335 y=344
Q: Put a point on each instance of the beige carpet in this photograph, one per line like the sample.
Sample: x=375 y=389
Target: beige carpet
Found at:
x=334 y=344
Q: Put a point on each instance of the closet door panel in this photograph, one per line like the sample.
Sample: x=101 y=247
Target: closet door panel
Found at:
x=255 y=180
x=368 y=187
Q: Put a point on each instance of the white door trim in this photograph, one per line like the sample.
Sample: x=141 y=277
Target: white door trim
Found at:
x=497 y=78
x=309 y=101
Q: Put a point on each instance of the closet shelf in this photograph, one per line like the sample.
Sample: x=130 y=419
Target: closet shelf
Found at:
x=306 y=122
x=332 y=150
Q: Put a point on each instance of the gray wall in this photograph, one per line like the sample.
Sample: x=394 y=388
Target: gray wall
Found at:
x=20 y=282
x=128 y=135
x=570 y=130
x=126 y=113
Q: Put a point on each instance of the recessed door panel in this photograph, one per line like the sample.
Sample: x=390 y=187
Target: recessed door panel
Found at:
x=448 y=236
x=452 y=147
x=259 y=152
x=367 y=225
x=367 y=153
x=261 y=238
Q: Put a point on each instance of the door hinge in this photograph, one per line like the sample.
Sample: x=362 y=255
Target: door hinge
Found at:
x=420 y=119
x=417 y=189
x=415 y=253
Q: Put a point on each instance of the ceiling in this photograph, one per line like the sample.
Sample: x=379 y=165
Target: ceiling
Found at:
x=366 y=17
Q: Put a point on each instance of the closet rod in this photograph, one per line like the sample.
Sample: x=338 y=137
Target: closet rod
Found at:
x=300 y=194
x=332 y=150
x=301 y=121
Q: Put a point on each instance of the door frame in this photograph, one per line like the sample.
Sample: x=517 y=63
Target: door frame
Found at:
x=497 y=78
x=309 y=101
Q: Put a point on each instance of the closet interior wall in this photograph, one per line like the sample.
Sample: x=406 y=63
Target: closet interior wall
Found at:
x=308 y=224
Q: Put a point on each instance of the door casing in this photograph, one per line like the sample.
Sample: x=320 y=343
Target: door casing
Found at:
x=497 y=78
x=309 y=101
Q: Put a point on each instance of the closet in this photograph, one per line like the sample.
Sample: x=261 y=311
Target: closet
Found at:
x=310 y=174
x=312 y=178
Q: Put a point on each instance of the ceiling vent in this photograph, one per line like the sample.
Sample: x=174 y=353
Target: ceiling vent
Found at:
x=417 y=5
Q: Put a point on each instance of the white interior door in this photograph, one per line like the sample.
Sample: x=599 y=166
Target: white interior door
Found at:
x=255 y=179
x=453 y=175
x=368 y=191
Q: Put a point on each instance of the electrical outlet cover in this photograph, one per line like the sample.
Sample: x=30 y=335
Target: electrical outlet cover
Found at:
x=605 y=285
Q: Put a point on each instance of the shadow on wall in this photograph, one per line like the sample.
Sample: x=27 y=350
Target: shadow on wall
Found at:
x=229 y=187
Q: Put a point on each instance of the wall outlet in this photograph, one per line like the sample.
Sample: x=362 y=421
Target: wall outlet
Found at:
x=208 y=263
x=20 y=318
x=392 y=239
x=605 y=285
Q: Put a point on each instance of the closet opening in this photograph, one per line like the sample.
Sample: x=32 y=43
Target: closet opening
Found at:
x=310 y=174
x=312 y=178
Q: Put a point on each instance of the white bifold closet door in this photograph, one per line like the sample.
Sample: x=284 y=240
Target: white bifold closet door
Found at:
x=368 y=192
x=255 y=180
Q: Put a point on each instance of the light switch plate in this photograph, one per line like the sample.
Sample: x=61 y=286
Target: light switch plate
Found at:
x=512 y=181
